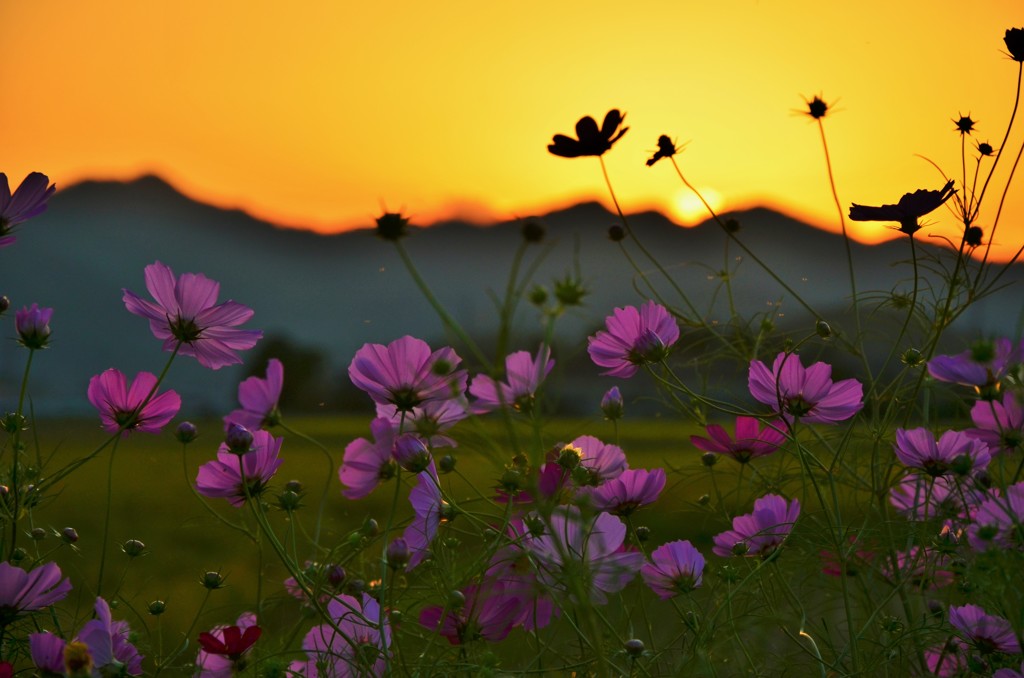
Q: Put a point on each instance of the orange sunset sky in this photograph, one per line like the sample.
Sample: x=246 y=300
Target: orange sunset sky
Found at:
x=318 y=114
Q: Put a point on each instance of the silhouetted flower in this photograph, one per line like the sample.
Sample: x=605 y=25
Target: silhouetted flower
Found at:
x=590 y=140
x=187 y=318
x=633 y=337
x=817 y=108
x=666 y=149
x=985 y=148
x=1014 y=40
x=907 y=211
x=676 y=567
x=125 y=408
x=27 y=201
x=803 y=393
x=973 y=236
x=392 y=226
x=258 y=398
x=964 y=124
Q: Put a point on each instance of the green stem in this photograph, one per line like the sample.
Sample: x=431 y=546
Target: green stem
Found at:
x=106 y=519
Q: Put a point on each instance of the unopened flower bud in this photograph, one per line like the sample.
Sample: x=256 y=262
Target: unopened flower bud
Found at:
x=13 y=422
x=397 y=554
x=33 y=326
x=740 y=548
x=456 y=600
x=643 y=533
x=5 y=304
x=569 y=457
x=371 y=528
x=704 y=499
x=19 y=554
x=709 y=459
x=294 y=486
x=395 y=617
x=38 y=534
x=538 y=295
x=535 y=525
x=212 y=580
x=69 y=535
x=616 y=233
x=186 y=432
x=511 y=481
x=823 y=329
x=973 y=236
x=446 y=464
x=411 y=453
x=157 y=608
x=335 y=575
x=634 y=647
x=238 y=439
x=570 y=291
x=612 y=405
x=391 y=226
x=732 y=226
x=133 y=548
x=912 y=358
x=289 y=501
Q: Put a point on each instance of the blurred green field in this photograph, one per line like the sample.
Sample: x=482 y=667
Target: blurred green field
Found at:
x=153 y=503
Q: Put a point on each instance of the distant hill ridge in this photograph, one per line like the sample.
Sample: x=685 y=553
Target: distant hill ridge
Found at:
x=337 y=292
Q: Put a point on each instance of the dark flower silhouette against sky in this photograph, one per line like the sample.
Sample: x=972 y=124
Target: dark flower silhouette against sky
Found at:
x=985 y=149
x=1014 y=40
x=666 y=149
x=964 y=124
x=817 y=108
x=590 y=140
x=907 y=211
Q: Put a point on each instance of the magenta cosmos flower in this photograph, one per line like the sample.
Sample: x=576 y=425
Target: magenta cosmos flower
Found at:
x=22 y=591
x=33 y=326
x=28 y=200
x=131 y=407
x=808 y=394
x=355 y=645
x=982 y=366
x=258 y=398
x=1000 y=425
x=429 y=421
x=920 y=497
x=513 y=568
x=187 y=317
x=759 y=533
x=633 y=337
x=106 y=642
x=223 y=648
x=523 y=373
x=954 y=452
x=998 y=520
x=676 y=567
x=595 y=462
x=986 y=632
x=591 y=548
x=751 y=440
x=628 y=491
x=223 y=476
x=366 y=463
x=430 y=511
x=406 y=374
x=488 y=614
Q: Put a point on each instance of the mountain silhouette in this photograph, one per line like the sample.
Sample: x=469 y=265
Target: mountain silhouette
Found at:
x=333 y=293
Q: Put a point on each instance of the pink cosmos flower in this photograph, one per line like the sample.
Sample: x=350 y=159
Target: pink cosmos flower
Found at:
x=429 y=421
x=982 y=366
x=629 y=491
x=258 y=398
x=591 y=548
x=634 y=337
x=108 y=642
x=954 y=452
x=998 y=521
x=676 y=567
x=999 y=424
x=598 y=462
x=945 y=661
x=22 y=591
x=524 y=374
x=223 y=476
x=986 y=632
x=920 y=497
x=406 y=374
x=125 y=407
x=28 y=200
x=513 y=568
x=923 y=567
x=429 y=508
x=1009 y=673
x=488 y=614
x=751 y=441
x=187 y=317
x=759 y=533
x=808 y=394
x=366 y=463
x=33 y=326
x=223 y=648
x=355 y=645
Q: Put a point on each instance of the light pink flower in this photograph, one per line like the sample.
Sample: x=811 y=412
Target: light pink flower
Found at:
x=366 y=463
x=524 y=374
x=633 y=337
x=258 y=398
x=125 y=407
x=406 y=374
x=223 y=476
x=808 y=394
x=759 y=533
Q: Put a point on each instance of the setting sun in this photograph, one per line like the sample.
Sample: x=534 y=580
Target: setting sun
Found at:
x=688 y=208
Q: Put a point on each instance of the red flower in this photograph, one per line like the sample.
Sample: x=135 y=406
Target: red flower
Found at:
x=235 y=643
